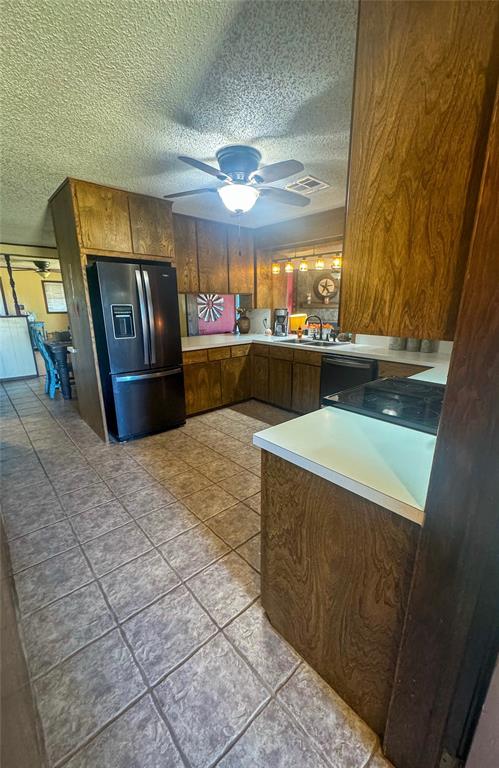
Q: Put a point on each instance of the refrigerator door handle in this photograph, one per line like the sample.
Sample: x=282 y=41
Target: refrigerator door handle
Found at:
x=143 y=376
x=150 y=312
x=143 y=316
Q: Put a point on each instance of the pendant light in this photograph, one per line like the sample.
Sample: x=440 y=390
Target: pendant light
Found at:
x=303 y=266
x=289 y=267
x=337 y=262
x=276 y=268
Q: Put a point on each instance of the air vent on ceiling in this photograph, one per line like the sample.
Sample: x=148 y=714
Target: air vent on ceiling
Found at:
x=307 y=185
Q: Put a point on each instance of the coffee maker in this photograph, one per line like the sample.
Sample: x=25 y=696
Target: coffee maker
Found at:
x=280 y=322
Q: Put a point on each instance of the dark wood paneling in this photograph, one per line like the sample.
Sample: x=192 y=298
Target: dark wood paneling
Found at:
x=151 y=225
x=452 y=616
x=260 y=377
x=306 y=388
x=424 y=87
x=235 y=380
x=241 y=260
x=85 y=366
x=104 y=219
x=212 y=257
x=202 y=387
x=263 y=279
x=317 y=226
x=387 y=368
x=186 y=254
x=336 y=571
x=280 y=382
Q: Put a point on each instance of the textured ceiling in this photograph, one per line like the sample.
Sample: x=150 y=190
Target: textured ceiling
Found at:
x=113 y=90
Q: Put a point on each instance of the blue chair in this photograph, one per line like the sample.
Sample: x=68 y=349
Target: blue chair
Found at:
x=35 y=325
x=52 y=382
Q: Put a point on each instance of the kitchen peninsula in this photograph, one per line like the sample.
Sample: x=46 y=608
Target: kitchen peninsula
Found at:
x=342 y=505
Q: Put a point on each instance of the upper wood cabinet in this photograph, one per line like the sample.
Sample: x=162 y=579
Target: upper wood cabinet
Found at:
x=186 y=253
x=241 y=260
x=209 y=258
x=424 y=86
x=212 y=257
x=104 y=217
x=121 y=222
x=151 y=225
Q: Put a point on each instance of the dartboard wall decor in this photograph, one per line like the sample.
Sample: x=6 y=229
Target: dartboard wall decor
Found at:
x=210 y=307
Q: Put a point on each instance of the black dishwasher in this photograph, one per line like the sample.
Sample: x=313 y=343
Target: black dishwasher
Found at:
x=340 y=372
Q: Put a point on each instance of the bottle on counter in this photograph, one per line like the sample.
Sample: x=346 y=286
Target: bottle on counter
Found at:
x=299 y=332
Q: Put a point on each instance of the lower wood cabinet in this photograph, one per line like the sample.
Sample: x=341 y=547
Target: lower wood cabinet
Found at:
x=235 y=377
x=306 y=388
x=280 y=382
x=260 y=377
x=203 y=389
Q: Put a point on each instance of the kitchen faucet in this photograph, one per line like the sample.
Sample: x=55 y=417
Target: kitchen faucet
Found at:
x=315 y=317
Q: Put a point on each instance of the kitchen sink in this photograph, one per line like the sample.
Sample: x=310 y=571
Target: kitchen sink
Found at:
x=312 y=342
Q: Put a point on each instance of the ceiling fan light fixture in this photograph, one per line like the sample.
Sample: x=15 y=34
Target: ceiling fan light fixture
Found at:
x=238 y=198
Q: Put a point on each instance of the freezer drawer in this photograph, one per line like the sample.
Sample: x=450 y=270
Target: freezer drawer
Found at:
x=145 y=403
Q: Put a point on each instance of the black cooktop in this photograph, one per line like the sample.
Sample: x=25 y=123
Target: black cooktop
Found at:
x=404 y=401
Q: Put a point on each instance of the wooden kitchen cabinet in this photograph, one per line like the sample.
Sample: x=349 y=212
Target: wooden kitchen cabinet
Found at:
x=306 y=388
x=152 y=227
x=280 y=381
x=203 y=389
x=235 y=374
x=260 y=377
x=421 y=112
x=212 y=257
x=186 y=253
x=104 y=220
x=336 y=574
x=241 y=260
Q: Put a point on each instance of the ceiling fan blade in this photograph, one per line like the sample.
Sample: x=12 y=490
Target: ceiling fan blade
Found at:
x=277 y=171
x=190 y=192
x=203 y=166
x=284 y=196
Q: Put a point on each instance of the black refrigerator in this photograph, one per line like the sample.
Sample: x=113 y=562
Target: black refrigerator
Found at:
x=137 y=333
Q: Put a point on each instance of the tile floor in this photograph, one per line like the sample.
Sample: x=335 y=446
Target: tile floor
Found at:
x=137 y=576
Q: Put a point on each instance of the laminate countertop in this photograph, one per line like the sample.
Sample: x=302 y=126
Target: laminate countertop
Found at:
x=433 y=359
x=385 y=463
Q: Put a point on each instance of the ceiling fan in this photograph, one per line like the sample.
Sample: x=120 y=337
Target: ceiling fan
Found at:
x=43 y=268
x=243 y=181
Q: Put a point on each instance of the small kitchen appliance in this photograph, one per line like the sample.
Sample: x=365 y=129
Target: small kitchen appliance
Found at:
x=407 y=402
x=281 y=322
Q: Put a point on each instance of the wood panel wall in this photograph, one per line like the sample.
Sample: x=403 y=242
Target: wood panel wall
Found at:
x=336 y=572
x=424 y=87
x=451 y=634
x=73 y=263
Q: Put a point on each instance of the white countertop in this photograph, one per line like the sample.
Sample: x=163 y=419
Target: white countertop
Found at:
x=385 y=463
x=434 y=359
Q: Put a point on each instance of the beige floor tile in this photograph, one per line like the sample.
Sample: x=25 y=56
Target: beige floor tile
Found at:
x=209 y=501
x=187 y=483
x=243 y=485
